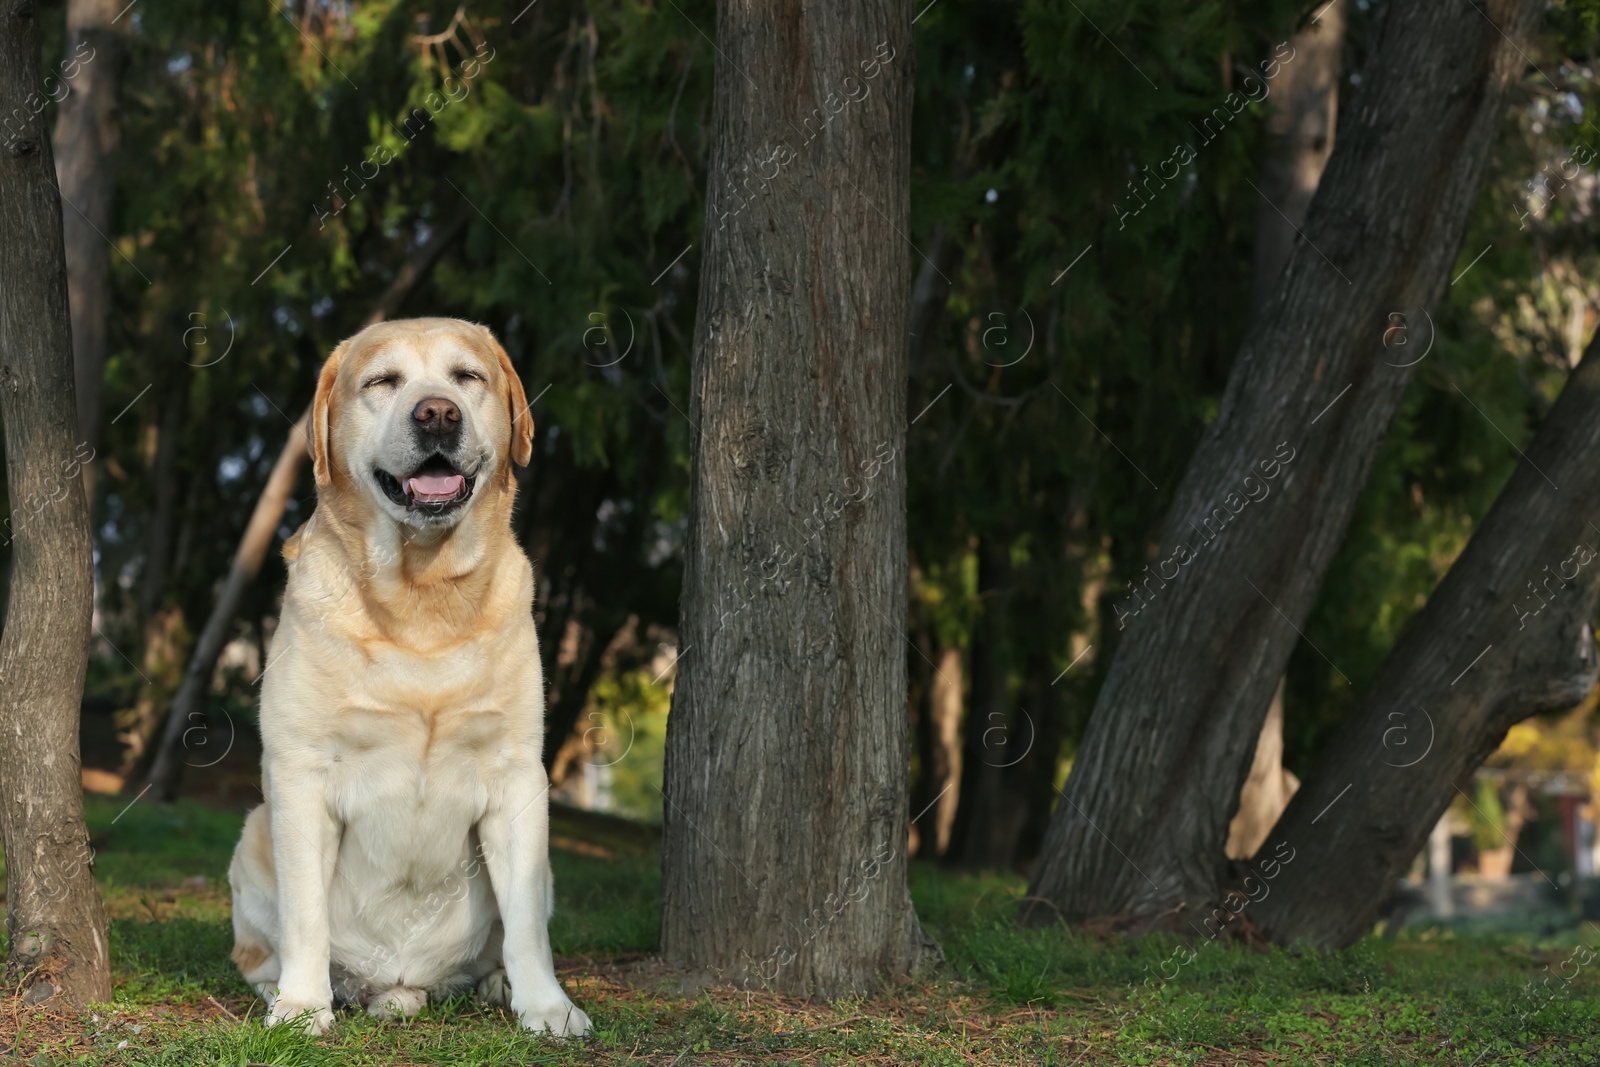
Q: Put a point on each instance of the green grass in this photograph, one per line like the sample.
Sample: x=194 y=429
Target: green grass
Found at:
x=1005 y=996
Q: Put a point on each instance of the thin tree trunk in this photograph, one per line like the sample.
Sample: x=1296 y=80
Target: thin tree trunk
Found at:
x=1141 y=831
x=136 y=726
x=785 y=814
x=163 y=517
x=1494 y=864
x=167 y=768
x=999 y=733
x=1266 y=791
x=187 y=707
x=1506 y=635
x=1303 y=109
x=569 y=683
x=1036 y=768
x=938 y=740
x=939 y=796
x=88 y=131
x=54 y=916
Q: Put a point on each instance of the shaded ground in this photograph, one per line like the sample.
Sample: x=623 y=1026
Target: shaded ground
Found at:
x=1006 y=997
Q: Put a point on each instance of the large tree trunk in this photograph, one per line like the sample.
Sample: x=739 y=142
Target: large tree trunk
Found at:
x=785 y=816
x=1506 y=635
x=56 y=922
x=86 y=137
x=1141 y=830
x=167 y=768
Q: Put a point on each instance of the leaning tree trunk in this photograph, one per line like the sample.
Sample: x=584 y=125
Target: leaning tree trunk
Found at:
x=54 y=916
x=1141 y=829
x=1506 y=635
x=187 y=709
x=785 y=815
x=86 y=137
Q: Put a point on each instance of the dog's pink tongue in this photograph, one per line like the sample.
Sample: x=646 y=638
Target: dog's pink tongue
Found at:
x=436 y=488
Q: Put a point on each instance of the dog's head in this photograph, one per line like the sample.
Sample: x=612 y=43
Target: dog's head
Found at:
x=417 y=416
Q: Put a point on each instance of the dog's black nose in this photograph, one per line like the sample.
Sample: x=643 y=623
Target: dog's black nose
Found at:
x=436 y=415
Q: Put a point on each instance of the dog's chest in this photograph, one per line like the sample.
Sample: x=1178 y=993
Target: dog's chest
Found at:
x=409 y=787
x=426 y=739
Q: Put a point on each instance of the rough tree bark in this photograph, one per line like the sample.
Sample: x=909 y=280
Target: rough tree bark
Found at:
x=166 y=770
x=54 y=916
x=785 y=814
x=1140 y=832
x=1506 y=635
x=87 y=134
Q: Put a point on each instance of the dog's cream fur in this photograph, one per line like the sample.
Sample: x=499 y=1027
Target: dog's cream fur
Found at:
x=403 y=849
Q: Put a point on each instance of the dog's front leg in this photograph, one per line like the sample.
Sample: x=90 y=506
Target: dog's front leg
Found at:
x=305 y=845
x=516 y=845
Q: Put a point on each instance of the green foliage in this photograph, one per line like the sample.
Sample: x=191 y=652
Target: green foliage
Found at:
x=1077 y=387
x=570 y=140
x=628 y=717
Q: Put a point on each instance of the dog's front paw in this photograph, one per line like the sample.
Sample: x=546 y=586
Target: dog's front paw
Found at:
x=312 y=1019
x=560 y=1018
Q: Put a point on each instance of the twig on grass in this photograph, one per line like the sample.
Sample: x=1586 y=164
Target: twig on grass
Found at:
x=222 y=1008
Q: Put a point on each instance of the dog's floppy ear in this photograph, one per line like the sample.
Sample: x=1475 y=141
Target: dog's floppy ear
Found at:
x=521 y=416
x=321 y=419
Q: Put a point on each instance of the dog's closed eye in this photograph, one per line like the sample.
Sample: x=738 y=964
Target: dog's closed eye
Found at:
x=464 y=374
x=383 y=378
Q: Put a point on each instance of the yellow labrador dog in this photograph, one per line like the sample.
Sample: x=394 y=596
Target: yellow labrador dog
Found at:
x=403 y=849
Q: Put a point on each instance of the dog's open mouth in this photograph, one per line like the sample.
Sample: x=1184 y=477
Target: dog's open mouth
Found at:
x=435 y=487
